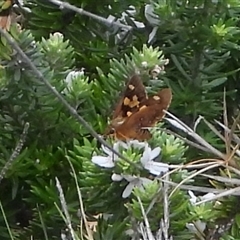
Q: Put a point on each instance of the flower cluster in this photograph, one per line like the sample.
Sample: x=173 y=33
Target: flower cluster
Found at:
x=198 y=226
x=146 y=161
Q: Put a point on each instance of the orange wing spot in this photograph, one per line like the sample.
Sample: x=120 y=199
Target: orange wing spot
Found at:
x=142 y=107
x=126 y=101
x=134 y=102
x=135 y=98
x=130 y=86
x=131 y=104
x=156 y=98
x=129 y=113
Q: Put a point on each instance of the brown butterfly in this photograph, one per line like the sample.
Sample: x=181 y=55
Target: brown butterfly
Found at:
x=5 y=13
x=136 y=111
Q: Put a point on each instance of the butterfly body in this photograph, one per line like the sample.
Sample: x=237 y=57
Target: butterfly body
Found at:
x=136 y=111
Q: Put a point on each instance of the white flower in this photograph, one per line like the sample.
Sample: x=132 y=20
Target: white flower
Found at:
x=134 y=182
x=135 y=144
x=109 y=160
x=144 y=64
x=130 y=13
x=197 y=226
x=117 y=177
x=193 y=198
x=72 y=76
x=153 y=19
x=147 y=158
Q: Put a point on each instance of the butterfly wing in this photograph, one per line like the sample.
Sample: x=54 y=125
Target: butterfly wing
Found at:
x=150 y=112
x=5 y=14
x=133 y=95
x=130 y=102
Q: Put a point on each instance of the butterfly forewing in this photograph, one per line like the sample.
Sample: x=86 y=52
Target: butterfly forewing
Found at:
x=133 y=95
x=129 y=103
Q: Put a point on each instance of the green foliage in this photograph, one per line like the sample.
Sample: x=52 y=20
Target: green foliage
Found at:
x=196 y=48
x=110 y=229
x=96 y=185
x=25 y=99
x=200 y=38
x=80 y=29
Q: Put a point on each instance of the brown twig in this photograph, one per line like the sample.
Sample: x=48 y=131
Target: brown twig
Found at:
x=88 y=14
x=16 y=151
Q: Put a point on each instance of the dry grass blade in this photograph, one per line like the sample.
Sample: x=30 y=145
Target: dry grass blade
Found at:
x=199 y=119
x=165 y=222
x=213 y=129
x=234 y=125
x=178 y=167
x=229 y=192
x=83 y=215
x=198 y=138
x=80 y=11
x=198 y=188
x=223 y=179
x=235 y=138
x=235 y=170
x=191 y=165
x=194 y=175
x=64 y=208
x=225 y=120
x=235 y=149
x=230 y=158
x=147 y=225
x=189 y=142
x=229 y=146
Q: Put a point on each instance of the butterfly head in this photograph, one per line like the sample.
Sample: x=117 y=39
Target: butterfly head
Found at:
x=111 y=129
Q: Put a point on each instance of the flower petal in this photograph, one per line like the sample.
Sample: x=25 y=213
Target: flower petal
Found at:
x=116 y=177
x=207 y=196
x=156 y=168
x=129 y=178
x=137 y=144
x=123 y=144
x=116 y=145
x=152 y=34
x=200 y=225
x=151 y=17
x=196 y=226
x=145 y=181
x=146 y=156
x=106 y=150
x=155 y=152
x=103 y=161
x=193 y=198
x=127 y=191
